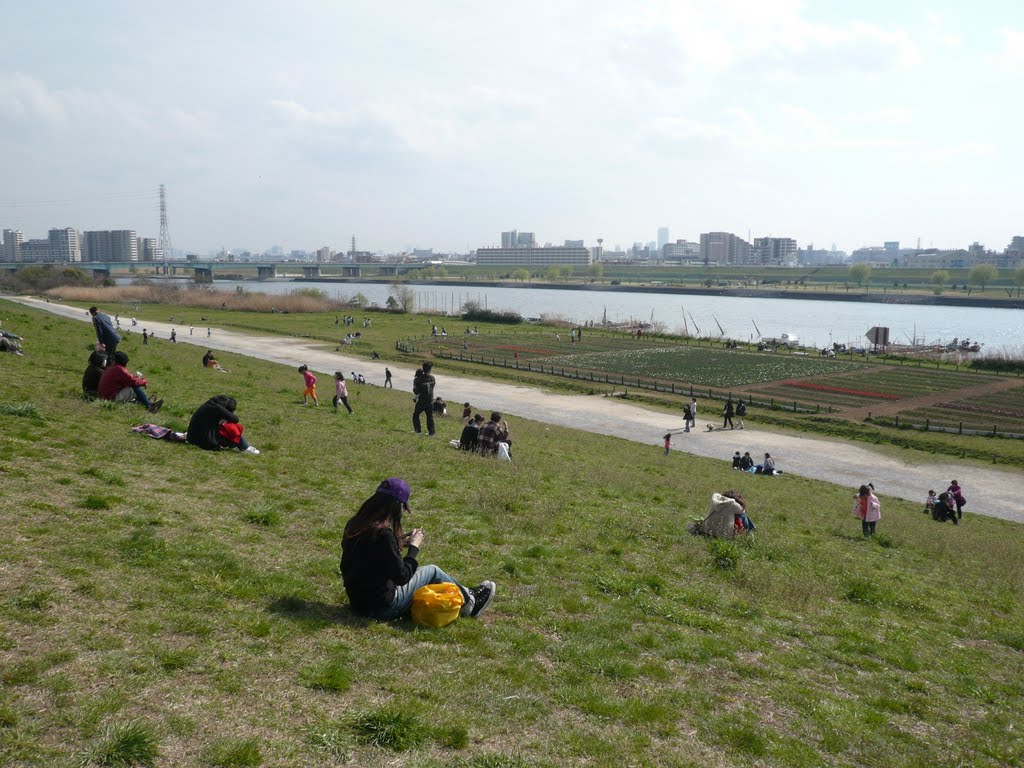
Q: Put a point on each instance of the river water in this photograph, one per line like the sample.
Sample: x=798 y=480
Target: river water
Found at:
x=816 y=323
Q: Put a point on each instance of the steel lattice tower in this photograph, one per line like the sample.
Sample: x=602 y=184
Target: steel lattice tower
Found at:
x=165 y=232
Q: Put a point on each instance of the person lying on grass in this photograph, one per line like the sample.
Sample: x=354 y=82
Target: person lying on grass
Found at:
x=215 y=425
x=380 y=582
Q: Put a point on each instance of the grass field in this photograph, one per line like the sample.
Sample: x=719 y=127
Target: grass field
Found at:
x=166 y=606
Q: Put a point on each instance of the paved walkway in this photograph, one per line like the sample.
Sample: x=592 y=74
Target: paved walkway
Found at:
x=991 y=491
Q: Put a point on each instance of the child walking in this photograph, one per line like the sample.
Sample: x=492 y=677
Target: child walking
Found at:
x=668 y=442
x=310 y=391
x=340 y=392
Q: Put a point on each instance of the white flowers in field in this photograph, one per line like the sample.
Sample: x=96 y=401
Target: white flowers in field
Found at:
x=713 y=367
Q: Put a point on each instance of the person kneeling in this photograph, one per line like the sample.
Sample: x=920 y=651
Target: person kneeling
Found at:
x=119 y=385
x=379 y=581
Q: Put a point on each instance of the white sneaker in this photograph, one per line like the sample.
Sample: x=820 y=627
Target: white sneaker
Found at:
x=251 y=450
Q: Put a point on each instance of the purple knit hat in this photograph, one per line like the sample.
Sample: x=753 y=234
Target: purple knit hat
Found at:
x=396 y=488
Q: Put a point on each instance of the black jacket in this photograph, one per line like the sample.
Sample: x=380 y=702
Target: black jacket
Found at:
x=372 y=566
x=202 y=429
x=470 y=436
x=91 y=380
x=423 y=386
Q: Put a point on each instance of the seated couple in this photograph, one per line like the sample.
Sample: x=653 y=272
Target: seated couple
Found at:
x=114 y=382
x=210 y=362
x=727 y=517
x=490 y=439
x=215 y=426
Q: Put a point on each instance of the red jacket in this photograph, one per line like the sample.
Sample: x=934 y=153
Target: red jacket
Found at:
x=115 y=378
x=230 y=433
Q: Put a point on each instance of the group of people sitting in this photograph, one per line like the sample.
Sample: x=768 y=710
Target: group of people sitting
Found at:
x=115 y=382
x=948 y=505
x=209 y=361
x=490 y=438
x=745 y=463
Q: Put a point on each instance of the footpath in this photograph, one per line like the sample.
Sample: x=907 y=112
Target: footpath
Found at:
x=990 y=491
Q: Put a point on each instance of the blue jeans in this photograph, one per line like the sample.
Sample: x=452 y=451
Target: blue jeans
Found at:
x=425 y=574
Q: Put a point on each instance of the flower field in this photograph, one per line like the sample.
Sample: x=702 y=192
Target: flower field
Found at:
x=1003 y=410
x=711 y=367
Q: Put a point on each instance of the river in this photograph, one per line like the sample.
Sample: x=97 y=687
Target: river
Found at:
x=816 y=323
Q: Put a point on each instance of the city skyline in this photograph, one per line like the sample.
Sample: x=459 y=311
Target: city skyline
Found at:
x=428 y=127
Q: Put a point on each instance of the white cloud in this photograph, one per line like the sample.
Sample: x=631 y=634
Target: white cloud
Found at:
x=1011 y=56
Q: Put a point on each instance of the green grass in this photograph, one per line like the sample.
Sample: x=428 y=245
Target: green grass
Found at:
x=203 y=599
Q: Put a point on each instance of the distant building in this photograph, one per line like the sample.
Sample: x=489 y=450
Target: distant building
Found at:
x=148 y=250
x=527 y=256
x=36 y=251
x=324 y=254
x=64 y=245
x=820 y=257
x=681 y=251
x=110 y=245
x=774 y=251
x=573 y=243
x=13 y=238
x=891 y=245
x=662 y=238
x=724 y=248
x=514 y=239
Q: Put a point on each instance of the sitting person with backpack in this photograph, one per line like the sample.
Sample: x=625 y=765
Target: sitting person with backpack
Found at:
x=944 y=509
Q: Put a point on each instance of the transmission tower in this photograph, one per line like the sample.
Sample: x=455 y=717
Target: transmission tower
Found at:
x=165 y=232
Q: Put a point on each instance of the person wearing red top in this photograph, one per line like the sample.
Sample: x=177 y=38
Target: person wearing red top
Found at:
x=119 y=385
x=310 y=381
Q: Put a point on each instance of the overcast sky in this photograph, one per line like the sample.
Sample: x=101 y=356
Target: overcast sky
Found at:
x=439 y=124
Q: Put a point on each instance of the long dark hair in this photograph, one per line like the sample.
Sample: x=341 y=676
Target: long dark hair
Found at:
x=378 y=512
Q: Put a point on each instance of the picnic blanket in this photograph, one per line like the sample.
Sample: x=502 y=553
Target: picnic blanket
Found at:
x=160 y=433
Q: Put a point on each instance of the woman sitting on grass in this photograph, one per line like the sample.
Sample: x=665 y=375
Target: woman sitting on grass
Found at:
x=380 y=582
x=215 y=425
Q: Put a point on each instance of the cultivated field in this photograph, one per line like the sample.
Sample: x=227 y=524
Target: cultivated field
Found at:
x=166 y=606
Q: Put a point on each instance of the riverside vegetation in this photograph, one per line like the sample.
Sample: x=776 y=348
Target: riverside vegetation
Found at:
x=167 y=606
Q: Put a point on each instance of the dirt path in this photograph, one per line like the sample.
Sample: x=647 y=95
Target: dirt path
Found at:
x=893 y=407
x=995 y=492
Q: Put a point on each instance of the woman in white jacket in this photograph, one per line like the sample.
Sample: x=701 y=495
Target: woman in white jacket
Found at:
x=867 y=508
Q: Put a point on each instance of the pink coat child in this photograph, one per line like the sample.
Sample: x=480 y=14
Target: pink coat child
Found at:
x=867 y=507
x=310 y=380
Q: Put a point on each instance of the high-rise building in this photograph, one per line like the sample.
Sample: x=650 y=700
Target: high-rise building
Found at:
x=36 y=250
x=64 y=245
x=13 y=238
x=147 y=249
x=508 y=239
x=681 y=250
x=110 y=245
x=526 y=240
x=774 y=251
x=662 y=238
x=724 y=248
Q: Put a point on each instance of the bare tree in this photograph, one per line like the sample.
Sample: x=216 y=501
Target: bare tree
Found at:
x=404 y=296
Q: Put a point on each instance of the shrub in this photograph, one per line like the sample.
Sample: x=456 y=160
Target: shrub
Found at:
x=390 y=728
x=725 y=555
x=233 y=753
x=121 y=746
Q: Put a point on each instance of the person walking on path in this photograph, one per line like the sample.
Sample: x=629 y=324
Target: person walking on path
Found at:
x=741 y=411
x=686 y=417
x=957 y=493
x=692 y=421
x=105 y=333
x=174 y=336
x=727 y=414
x=387 y=379
x=340 y=392
x=423 y=387
x=379 y=581
x=310 y=381
x=867 y=508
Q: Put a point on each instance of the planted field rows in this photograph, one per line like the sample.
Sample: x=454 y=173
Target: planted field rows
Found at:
x=1003 y=410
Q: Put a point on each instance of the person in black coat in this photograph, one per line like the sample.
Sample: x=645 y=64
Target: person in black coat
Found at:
x=379 y=581
x=93 y=374
x=471 y=433
x=202 y=428
x=423 y=387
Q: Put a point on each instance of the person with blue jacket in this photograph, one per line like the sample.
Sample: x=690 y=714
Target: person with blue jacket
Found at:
x=106 y=334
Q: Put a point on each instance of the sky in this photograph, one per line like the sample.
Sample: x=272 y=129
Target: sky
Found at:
x=416 y=123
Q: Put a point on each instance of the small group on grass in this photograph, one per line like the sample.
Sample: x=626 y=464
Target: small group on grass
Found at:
x=113 y=381
x=726 y=518
x=867 y=507
x=380 y=582
x=948 y=505
x=745 y=463
x=10 y=342
x=489 y=438
x=209 y=361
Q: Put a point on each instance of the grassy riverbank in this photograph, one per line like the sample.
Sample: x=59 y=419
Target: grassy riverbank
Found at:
x=184 y=604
